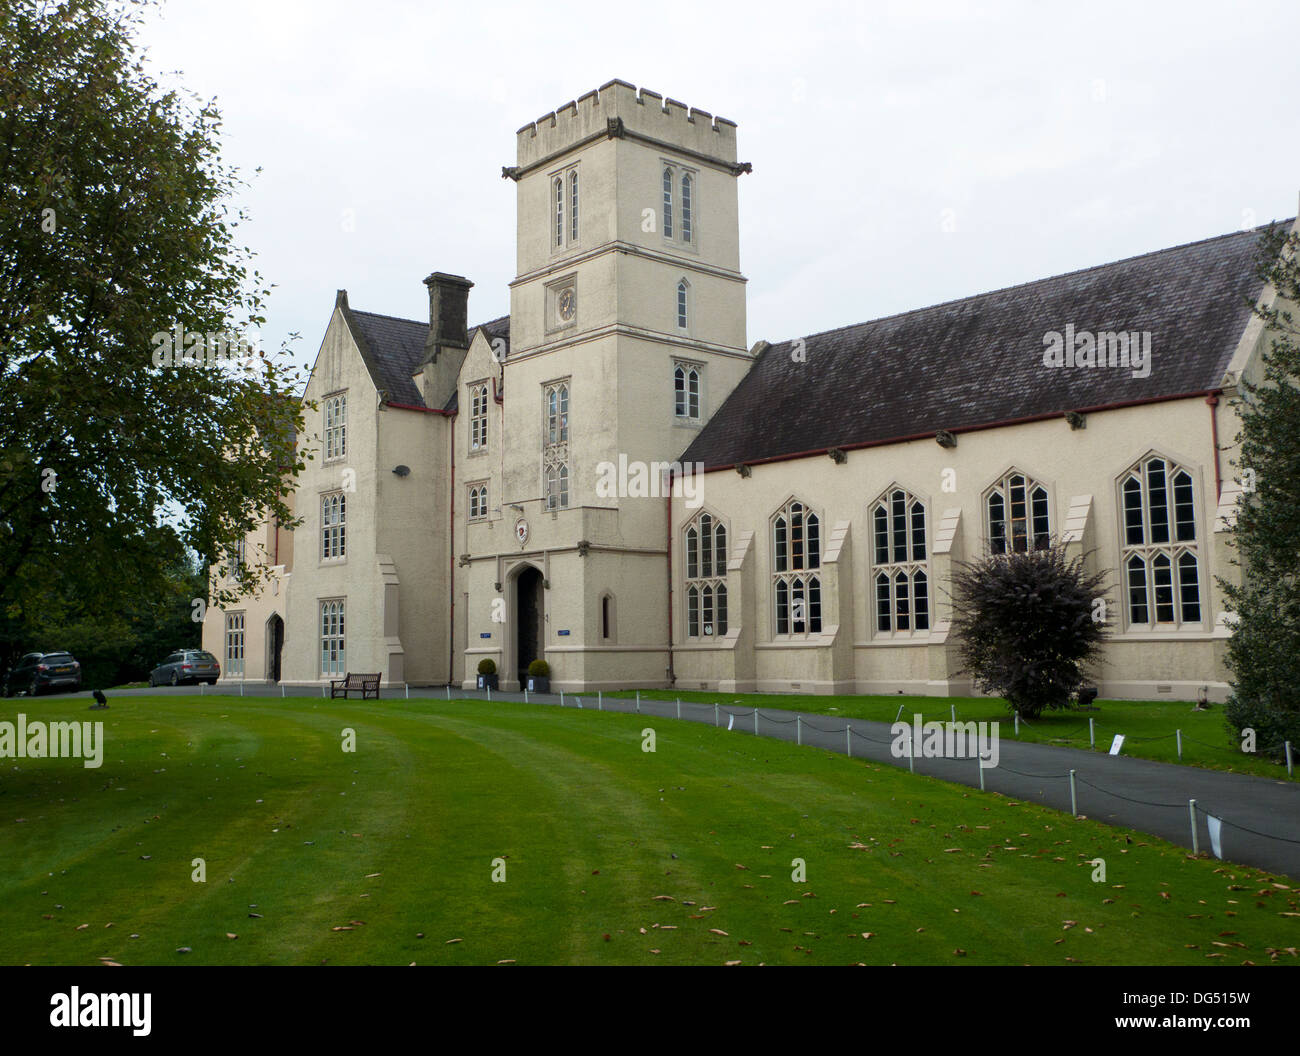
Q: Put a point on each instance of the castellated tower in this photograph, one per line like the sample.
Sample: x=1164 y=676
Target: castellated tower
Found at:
x=627 y=331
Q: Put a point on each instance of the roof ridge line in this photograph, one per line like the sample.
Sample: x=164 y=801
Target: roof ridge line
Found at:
x=1034 y=282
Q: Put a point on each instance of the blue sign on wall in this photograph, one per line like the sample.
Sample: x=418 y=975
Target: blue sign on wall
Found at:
x=561 y=633
x=485 y=634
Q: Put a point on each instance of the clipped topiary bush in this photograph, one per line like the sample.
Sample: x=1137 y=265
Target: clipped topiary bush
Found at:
x=539 y=669
x=487 y=666
x=1029 y=625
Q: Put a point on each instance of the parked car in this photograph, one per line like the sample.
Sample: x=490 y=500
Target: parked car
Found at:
x=186 y=665
x=39 y=671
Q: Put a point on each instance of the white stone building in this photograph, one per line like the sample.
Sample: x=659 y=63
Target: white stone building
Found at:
x=493 y=490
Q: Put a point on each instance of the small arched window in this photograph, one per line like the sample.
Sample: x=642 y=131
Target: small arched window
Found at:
x=688 y=188
x=683 y=300
x=686 y=390
x=668 y=202
x=573 y=205
x=559 y=211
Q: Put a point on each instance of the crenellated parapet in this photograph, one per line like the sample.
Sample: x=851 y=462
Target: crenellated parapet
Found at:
x=619 y=110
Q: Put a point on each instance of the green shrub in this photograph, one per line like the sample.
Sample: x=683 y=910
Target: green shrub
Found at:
x=539 y=669
x=487 y=666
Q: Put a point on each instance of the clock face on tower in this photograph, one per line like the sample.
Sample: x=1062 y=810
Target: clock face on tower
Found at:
x=567 y=303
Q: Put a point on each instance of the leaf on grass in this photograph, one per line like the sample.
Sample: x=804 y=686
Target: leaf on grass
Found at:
x=663 y=898
x=82 y=927
x=450 y=941
x=719 y=931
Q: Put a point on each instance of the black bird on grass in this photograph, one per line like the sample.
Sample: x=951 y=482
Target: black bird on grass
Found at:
x=100 y=700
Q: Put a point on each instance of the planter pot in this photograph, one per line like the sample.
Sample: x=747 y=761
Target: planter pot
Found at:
x=487 y=681
x=539 y=684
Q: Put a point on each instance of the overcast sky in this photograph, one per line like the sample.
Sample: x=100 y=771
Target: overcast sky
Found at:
x=904 y=153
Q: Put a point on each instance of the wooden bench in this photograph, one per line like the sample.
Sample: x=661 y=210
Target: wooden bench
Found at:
x=367 y=685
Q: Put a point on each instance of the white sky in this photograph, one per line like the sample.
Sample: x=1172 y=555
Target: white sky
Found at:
x=1059 y=136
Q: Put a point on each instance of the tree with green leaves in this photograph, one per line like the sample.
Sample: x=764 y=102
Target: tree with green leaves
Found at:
x=128 y=436
x=1264 y=650
x=1027 y=625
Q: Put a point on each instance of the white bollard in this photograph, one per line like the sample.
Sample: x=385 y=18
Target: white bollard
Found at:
x=848 y=739
x=1092 y=735
x=911 y=755
x=282 y=689
x=1074 y=799
x=322 y=692
x=715 y=713
x=954 y=712
x=1017 y=724
x=1179 y=735
x=755 y=722
x=525 y=692
x=489 y=692
x=1289 y=772
x=679 y=707
x=1191 y=810
x=798 y=730
x=241 y=687
x=408 y=691
x=900 y=713
x=980 y=766
x=600 y=700
x=561 y=698
x=638 y=702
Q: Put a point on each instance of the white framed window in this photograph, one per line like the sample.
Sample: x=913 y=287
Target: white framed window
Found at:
x=333 y=526
x=336 y=426
x=688 y=205
x=796 y=557
x=555 y=445
x=478 y=417
x=900 y=571
x=565 y=212
x=478 y=502
x=686 y=390
x=705 y=546
x=573 y=205
x=557 y=413
x=1159 y=553
x=1018 y=509
x=234 y=644
x=557 y=485
x=668 y=179
x=558 y=194
x=683 y=305
x=333 y=656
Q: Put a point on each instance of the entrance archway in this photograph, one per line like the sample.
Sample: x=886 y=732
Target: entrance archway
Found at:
x=530 y=610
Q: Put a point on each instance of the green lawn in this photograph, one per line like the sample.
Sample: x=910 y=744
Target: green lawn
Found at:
x=1148 y=726
x=612 y=854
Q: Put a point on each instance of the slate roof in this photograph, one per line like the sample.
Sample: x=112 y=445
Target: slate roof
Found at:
x=979 y=360
x=393 y=348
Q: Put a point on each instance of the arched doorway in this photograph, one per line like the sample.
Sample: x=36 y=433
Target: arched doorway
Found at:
x=529 y=613
x=274 y=646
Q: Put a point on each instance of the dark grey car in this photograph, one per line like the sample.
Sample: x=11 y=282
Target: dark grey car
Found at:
x=40 y=671
x=186 y=665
